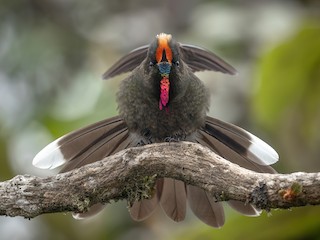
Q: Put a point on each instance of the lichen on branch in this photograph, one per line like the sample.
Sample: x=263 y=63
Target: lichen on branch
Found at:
x=131 y=173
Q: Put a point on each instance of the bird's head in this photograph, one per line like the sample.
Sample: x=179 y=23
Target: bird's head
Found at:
x=166 y=67
x=163 y=63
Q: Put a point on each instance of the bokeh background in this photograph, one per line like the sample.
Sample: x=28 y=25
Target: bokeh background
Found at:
x=52 y=56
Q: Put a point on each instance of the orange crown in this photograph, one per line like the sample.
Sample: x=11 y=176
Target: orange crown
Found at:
x=163 y=44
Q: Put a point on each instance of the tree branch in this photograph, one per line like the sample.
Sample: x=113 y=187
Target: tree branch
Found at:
x=130 y=174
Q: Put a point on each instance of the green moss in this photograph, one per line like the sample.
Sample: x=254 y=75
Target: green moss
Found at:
x=296 y=188
x=140 y=188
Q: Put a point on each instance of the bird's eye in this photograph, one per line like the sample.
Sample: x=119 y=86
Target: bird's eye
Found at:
x=151 y=64
x=177 y=63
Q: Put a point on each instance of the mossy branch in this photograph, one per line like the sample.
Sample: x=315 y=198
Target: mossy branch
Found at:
x=131 y=173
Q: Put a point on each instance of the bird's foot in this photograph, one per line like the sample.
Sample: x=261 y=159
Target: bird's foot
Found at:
x=176 y=138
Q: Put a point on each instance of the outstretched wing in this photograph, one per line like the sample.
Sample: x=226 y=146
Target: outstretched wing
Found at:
x=127 y=63
x=200 y=59
x=197 y=58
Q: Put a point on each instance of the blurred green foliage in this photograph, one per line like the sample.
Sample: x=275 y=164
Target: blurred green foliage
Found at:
x=290 y=76
x=287 y=102
x=274 y=225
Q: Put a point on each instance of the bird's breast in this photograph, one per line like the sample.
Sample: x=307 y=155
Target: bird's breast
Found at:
x=180 y=118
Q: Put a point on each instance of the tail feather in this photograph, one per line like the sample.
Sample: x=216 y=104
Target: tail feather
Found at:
x=99 y=150
x=99 y=140
x=233 y=144
x=240 y=141
x=105 y=143
x=204 y=207
x=230 y=154
x=140 y=210
x=173 y=199
x=92 y=211
x=243 y=208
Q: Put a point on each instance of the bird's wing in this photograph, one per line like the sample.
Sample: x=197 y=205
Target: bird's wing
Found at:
x=197 y=58
x=127 y=63
x=200 y=59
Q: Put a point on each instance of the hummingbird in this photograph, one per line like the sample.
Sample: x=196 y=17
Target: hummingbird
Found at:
x=162 y=100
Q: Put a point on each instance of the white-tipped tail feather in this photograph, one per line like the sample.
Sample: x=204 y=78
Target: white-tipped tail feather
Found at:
x=104 y=138
x=261 y=152
x=49 y=157
x=240 y=141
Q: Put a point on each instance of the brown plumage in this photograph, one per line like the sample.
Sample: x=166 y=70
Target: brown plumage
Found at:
x=162 y=100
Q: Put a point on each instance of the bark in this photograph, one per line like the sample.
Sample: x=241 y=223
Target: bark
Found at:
x=130 y=174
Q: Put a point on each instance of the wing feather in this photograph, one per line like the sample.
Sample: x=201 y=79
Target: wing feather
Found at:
x=197 y=58
x=127 y=63
x=200 y=59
